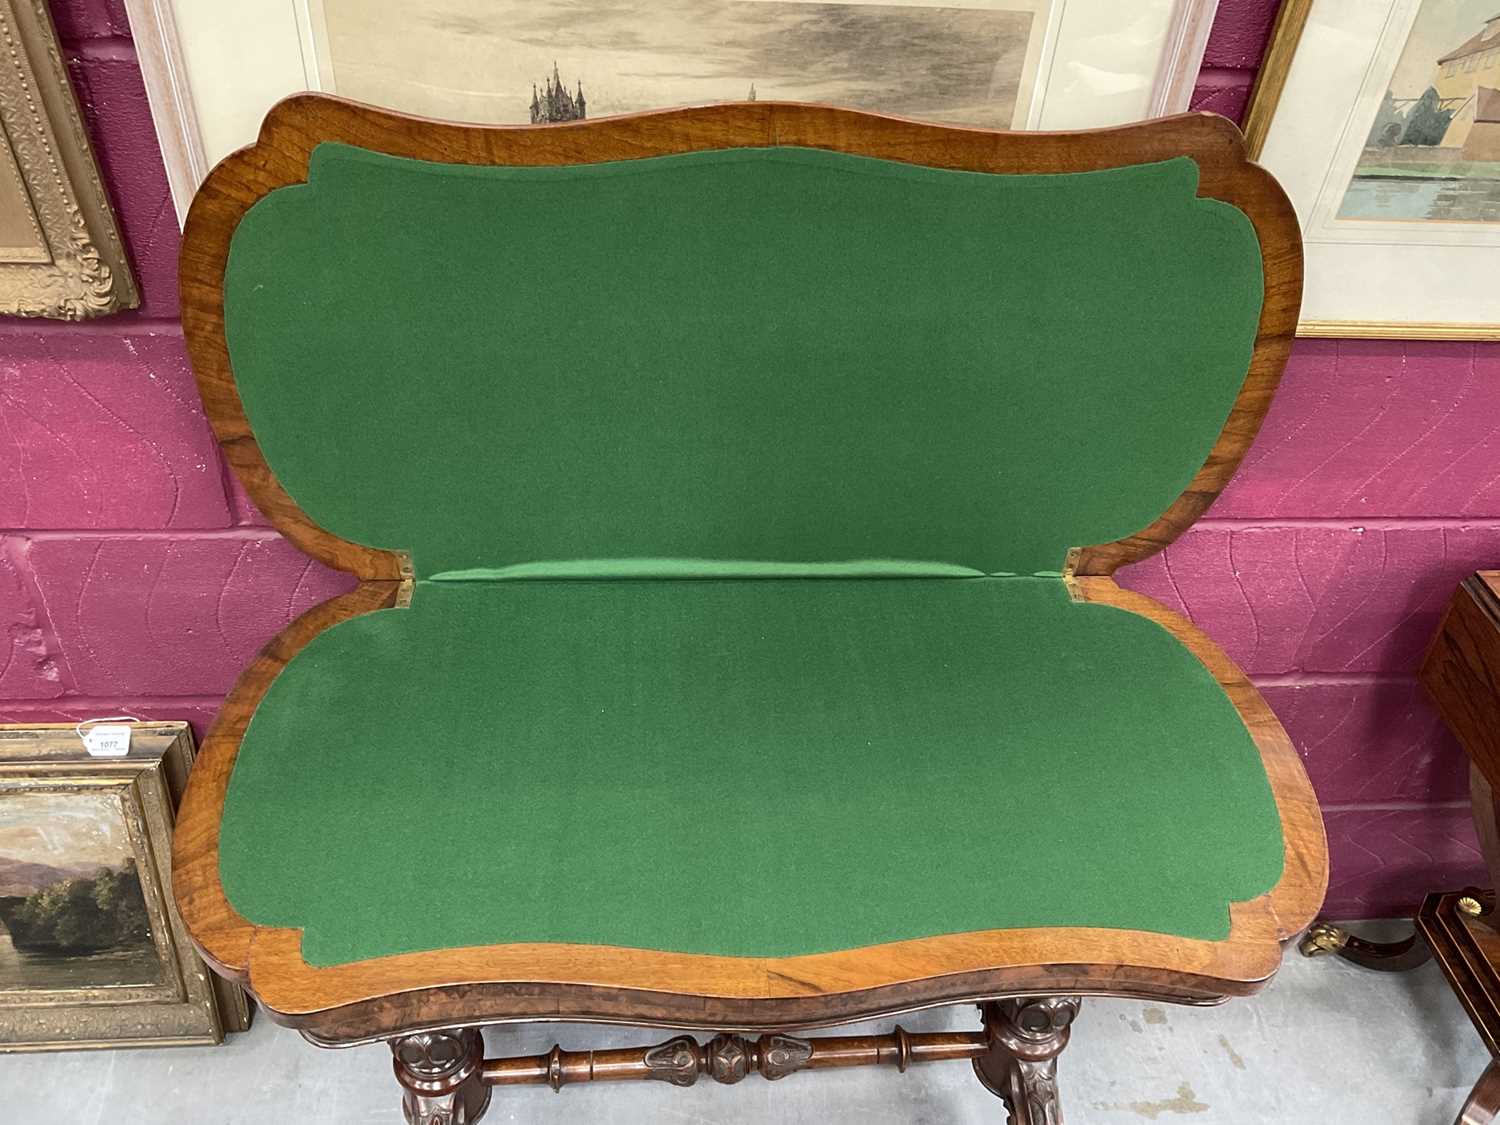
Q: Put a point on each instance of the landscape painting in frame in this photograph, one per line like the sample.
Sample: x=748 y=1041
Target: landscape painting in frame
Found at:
x=72 y=910
x=1433 y=150
x=515 y=61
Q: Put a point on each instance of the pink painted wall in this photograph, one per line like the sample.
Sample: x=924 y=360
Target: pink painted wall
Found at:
x=134 y=578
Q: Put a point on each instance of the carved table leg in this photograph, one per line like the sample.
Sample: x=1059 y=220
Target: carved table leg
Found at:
x=1026 y=1036
x=441 y=1074
x=1483 y=1106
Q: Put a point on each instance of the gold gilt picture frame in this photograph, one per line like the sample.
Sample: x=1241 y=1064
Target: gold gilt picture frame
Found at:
x=60 y=252
x=92 y=952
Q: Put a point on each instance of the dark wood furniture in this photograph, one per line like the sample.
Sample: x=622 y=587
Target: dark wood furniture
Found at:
x=1462 y=676
x=1458 y=929
x=1026 y=981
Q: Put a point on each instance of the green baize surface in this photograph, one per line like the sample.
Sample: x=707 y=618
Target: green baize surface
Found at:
x=737 y=486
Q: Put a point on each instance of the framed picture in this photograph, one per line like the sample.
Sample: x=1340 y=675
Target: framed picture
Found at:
x=60 y=251
x=92 y=953
x=214 y=69
x=1381 y=118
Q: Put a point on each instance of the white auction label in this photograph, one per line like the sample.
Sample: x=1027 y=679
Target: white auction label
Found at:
x=107 y=740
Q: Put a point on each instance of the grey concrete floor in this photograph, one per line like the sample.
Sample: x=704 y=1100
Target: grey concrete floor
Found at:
x=1325 y=1043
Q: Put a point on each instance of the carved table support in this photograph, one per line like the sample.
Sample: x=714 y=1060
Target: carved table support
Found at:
x=441 y=1075
x=731 y=1058
x=1020 y=1066
x=447 y=1079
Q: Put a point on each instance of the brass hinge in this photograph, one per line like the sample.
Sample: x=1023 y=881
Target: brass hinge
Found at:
x=408 y=580
x=1070 y=579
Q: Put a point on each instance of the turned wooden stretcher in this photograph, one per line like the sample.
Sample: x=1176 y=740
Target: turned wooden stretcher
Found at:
x=733 y=495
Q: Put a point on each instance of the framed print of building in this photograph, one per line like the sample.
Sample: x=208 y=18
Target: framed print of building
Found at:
x=1433 y=150
x=973 y=65
x=213 y=70
x=1381 y=119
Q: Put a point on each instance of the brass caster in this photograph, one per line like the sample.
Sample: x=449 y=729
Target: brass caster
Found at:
x=1322 y=939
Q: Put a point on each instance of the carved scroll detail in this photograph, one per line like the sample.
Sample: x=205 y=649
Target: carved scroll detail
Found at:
x=441 y=1078
x=675 y=1061
x=431 y=1055
x=422 y=1110
x=781 y=1055
x=729 y=1059
x=726 y=1058
x=1026 y=1036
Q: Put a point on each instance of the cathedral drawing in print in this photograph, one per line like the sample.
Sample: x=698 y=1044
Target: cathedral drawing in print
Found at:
x=553 y=102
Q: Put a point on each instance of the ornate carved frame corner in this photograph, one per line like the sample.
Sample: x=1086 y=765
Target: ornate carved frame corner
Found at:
x=64 y=258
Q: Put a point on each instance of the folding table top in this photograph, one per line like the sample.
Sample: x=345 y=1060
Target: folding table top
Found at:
x=733 y=493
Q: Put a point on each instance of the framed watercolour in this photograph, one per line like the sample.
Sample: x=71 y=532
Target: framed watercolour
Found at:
x=92 y=952
x=214 y=69
x=1381 y=118
x=60 y=252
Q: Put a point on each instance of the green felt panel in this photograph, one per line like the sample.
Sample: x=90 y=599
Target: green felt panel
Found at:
x=785 y=355
x=752 y=767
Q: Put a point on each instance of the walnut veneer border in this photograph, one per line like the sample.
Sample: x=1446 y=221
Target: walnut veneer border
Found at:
x=397 y=994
